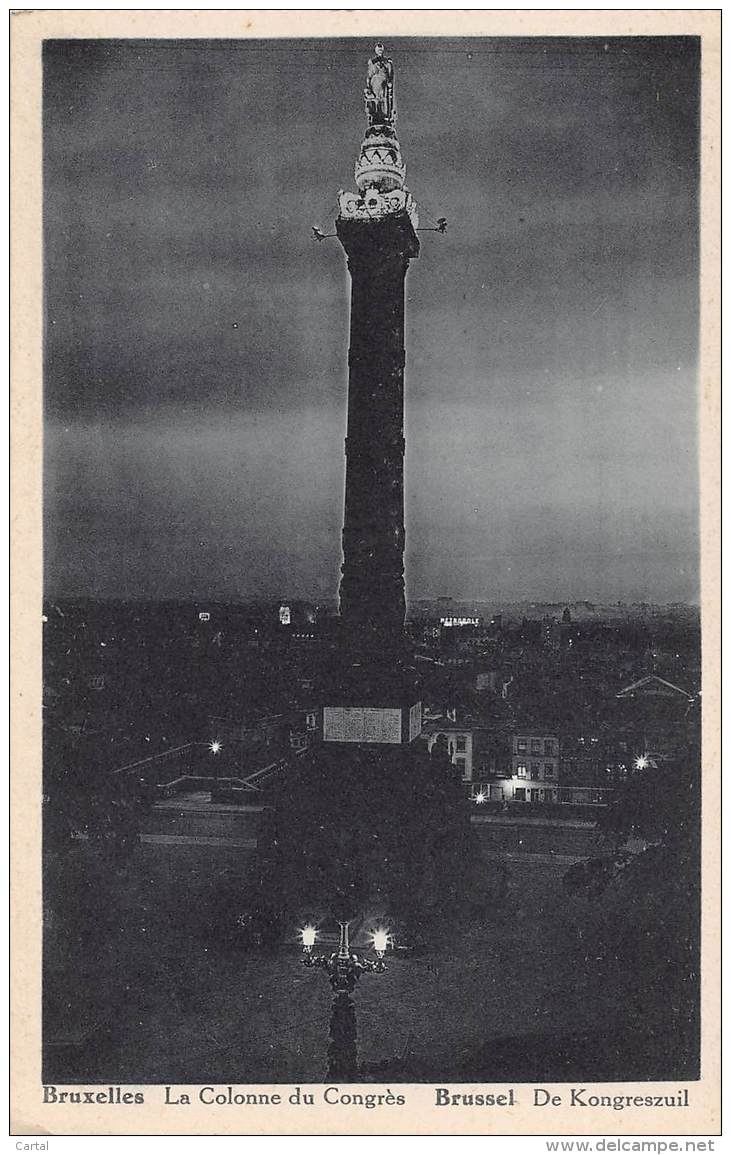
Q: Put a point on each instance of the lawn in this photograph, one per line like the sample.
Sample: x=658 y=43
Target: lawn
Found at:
x=152 y=981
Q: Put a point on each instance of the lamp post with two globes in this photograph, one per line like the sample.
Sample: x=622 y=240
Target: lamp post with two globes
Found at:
x=344 y=968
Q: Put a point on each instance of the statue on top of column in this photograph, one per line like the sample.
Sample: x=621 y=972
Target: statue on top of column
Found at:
x=379 y=89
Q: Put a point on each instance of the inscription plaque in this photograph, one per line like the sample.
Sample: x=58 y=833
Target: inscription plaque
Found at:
x=361 y=724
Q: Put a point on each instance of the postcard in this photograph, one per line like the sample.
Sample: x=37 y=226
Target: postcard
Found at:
x=365 y=557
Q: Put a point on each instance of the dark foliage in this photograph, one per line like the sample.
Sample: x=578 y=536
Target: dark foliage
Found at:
x=359 y=829
x=660 y=804
x=83 y=801
x=646 y=903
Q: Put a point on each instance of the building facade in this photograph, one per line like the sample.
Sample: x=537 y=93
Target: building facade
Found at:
x=461 y=745
x=535 y=766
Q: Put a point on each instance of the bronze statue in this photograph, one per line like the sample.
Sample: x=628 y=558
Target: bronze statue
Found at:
x=379 y=89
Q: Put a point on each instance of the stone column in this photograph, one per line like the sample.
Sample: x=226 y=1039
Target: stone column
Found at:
x=372 y=601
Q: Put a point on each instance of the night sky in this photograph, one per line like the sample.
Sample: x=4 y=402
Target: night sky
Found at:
x=196 y=333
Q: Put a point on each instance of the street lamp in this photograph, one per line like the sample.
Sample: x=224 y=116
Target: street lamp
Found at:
x=343 y=967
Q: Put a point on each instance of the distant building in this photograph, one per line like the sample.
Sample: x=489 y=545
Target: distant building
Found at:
x=477 y=749
x=297 y=614
x=647 y=722
x=486 y=680
x=535 y=767
x=655 y=717
x=311 y=721
x=551 y=633
x=460 y=740
x=557 y=635
x=591 y=758
x=654 y=687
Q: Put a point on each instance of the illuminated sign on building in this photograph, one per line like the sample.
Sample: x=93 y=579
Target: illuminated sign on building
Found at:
x=460 y=621
x=285 y=616
x=204 y=617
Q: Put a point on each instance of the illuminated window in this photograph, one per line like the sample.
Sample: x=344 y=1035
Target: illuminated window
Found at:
x=522 y=745
x=521 y=769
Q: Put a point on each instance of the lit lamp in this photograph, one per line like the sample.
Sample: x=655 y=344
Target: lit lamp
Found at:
x=343 y=967
x=215 y=746
x=479 y=798
x=380 y=939
x=308 y=935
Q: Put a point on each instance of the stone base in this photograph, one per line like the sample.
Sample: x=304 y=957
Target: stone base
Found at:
x=371 y=701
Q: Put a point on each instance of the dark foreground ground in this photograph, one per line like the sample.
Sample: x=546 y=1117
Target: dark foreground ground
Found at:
x=153 y=990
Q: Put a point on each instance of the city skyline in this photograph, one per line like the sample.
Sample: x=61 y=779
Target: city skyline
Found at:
x=196 y=371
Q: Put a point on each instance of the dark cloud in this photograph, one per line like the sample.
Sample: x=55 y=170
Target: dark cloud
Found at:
x=196 y=335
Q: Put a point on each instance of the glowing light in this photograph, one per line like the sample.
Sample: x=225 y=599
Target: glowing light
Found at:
x=308 y=935
x=642 y=762
x=380 y=939
x=480 y=798
x=214 y=746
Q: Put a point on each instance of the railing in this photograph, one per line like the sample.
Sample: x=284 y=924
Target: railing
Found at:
x=194 y=781
x=504 y=793
x=166 y=765
x=173 y=770
x=266 y=772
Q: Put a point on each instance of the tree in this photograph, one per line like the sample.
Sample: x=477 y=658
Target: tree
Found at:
x=660 y=803
x=645 y=904
x=360 y=827
x=82 y=800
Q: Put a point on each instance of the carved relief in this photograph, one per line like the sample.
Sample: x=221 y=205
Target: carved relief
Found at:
x=374 y=205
